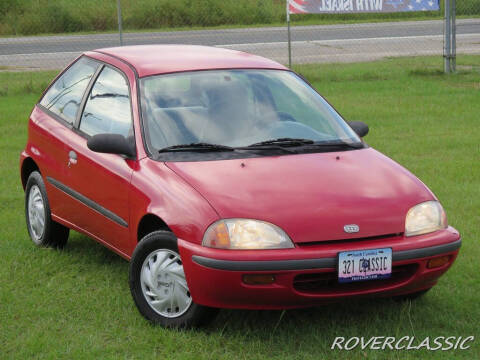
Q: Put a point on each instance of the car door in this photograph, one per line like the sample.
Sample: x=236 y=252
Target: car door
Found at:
x=53 y=120
x=101 y=182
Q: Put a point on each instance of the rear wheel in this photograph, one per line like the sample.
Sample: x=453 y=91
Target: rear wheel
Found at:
x=42 y=229
x=158 y=284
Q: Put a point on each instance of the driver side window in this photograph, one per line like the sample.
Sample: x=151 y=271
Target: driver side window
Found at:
x=108 y=106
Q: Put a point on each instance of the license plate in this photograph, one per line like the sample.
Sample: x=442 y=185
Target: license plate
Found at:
x=362 y=265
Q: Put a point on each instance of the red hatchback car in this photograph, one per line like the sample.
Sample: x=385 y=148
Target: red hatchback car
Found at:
x=228 y=182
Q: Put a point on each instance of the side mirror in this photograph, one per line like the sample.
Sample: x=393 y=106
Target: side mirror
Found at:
x=359 y=127
x=111 y=144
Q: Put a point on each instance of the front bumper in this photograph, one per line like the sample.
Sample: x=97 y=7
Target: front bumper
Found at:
x=307 y=275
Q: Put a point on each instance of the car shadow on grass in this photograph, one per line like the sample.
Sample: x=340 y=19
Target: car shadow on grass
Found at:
x=86 y=249
x=344 y=312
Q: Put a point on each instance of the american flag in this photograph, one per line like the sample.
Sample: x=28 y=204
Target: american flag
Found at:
x=413 y=5
x=422 y=5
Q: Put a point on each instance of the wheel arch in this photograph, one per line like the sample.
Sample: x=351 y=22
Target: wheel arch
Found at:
x=150 y=223
x=28 y=166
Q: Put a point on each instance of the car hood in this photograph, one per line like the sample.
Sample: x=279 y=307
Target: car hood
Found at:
x=311 y=196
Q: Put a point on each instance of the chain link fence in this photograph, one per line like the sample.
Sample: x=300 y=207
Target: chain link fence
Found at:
x=255 y=26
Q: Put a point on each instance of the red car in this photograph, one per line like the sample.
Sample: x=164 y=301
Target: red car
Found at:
x=228 y=182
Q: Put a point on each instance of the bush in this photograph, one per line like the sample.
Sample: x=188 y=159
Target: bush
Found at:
x=51 y=18
x=468 y=7
x=7 y=5
x=161 y=13
x=184 y=13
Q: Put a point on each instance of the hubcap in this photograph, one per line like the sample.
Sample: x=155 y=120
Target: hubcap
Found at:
x=164 y=285
x=36 y=213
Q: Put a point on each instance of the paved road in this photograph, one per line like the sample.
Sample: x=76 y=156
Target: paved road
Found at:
x=321 y=43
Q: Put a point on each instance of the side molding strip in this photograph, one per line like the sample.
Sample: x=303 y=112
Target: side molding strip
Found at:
x=88 y=202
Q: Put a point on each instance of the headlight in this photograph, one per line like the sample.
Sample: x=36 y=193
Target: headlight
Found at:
x=425 y=218
x=242 y=234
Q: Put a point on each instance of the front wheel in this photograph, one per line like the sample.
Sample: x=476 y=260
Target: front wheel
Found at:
x=158 y=284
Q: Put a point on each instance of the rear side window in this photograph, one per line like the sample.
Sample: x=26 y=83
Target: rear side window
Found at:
x=108 y=106
x=65 y=95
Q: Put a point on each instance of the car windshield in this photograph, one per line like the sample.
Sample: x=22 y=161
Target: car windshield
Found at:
x=236 y=108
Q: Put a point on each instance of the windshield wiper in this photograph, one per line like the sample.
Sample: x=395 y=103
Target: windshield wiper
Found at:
x=357 y=145
x=196 y=147
x=283 y=142
x=278 y=144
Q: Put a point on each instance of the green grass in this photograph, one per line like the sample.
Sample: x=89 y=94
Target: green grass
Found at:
x=28 y=17
x=76 y=303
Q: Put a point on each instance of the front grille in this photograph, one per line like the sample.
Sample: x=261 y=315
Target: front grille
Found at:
x=327 y=282
x=339 y=241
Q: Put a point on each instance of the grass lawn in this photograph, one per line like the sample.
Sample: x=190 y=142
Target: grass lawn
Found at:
x=76 y=303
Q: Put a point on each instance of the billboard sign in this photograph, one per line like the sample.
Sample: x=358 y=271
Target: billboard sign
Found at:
x=359 y=6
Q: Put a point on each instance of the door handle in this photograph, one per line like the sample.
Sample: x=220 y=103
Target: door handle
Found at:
x=72 y=158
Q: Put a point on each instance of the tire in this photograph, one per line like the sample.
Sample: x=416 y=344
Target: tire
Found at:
x=411 y=296
x=42 y=229
x=165 y=300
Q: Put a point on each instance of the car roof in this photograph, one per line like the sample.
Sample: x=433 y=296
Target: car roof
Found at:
x=161 y=59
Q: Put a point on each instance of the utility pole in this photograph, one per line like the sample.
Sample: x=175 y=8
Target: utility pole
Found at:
x=453 y=42
x=289 y=37
x=119 y=13
x=449 y=51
